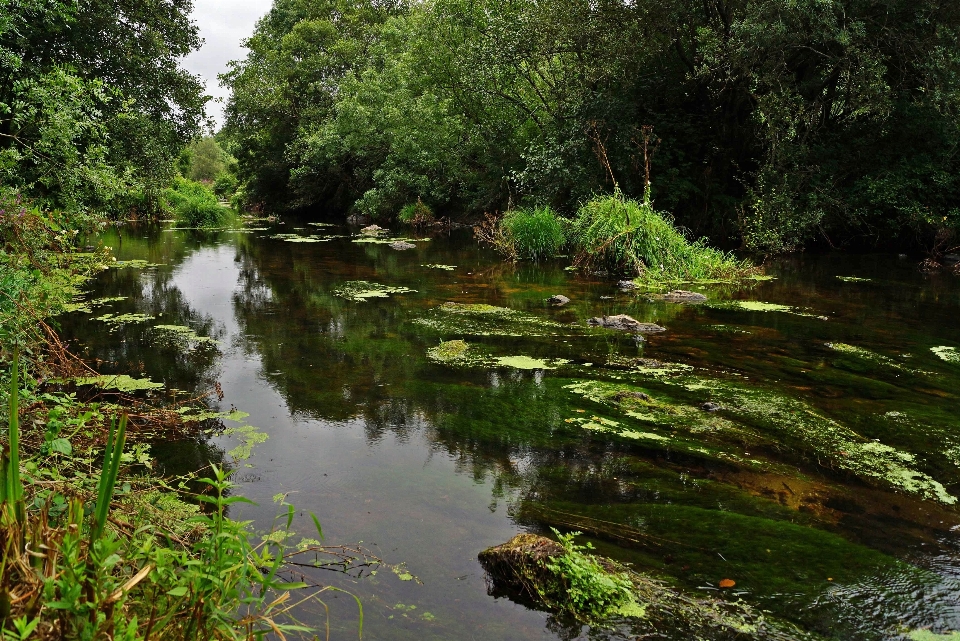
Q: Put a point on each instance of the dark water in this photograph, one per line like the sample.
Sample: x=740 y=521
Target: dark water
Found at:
x=824 y=486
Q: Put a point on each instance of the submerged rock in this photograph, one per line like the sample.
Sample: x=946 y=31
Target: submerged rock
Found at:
x=625 y=323
x=951 y=258
x=402 y=245
x=929 y=265
x=626 y=285
x=683 y=296
x=558 y=300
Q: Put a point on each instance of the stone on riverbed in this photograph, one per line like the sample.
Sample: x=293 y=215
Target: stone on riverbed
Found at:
x=558 y=300
x=526 y=570
x=402 y=245
x=625 y=323
x=626 y=285
x=372 y=230
x=683 y=296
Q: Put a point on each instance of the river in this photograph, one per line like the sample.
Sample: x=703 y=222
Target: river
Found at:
x=821 y=480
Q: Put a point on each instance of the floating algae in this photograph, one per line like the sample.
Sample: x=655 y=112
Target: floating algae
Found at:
x=446 y=268
x=360 y=291
x=87 y=307
x=949 y=354
x=867 y=355
x=853 y=279
x=525 y=362
x=449 y=351
x=752 y=415
x=927 y=635
x=118 y=320
x=133 y=264
x=486 y=320
x=759 y=306
x=377 y=240
x=119 y=382
x=181 y=335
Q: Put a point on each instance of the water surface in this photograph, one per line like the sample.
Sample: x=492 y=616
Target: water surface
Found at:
x=824 y=485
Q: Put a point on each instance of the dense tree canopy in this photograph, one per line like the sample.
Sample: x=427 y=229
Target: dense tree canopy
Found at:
x=773 y=122
x=94 y=105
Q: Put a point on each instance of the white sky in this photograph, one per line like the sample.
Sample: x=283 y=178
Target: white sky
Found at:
x=223 y=24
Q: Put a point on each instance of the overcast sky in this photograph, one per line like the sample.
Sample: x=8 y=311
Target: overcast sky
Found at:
x=223 y=24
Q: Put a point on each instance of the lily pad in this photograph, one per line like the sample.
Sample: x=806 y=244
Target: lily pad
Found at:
x=119 y=382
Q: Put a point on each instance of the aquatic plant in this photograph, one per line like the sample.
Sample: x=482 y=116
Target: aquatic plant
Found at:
x=617 y=234
x=182 y=336
x=360 y=291
x=119 y=382
x=446 y=268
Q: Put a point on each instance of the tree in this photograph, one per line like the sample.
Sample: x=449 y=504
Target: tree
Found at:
x=93 y=102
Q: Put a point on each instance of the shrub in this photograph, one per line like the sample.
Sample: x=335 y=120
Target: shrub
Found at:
x=586 y=589
x=416 y=214
x=195 y=205
x=622 y=235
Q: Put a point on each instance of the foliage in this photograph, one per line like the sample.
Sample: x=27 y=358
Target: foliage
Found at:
x=195 y=205
x=618 y=234
x=589 y=591
x=93 y=102
x=775 y=124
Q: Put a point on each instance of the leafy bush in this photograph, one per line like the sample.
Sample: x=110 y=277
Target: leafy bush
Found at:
x=225 y=185
x=622 y=235
x=534 y=233
x=195 y=205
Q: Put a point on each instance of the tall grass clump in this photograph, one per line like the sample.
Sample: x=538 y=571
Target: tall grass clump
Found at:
x=416 y=214
x=617 y=234
x=195 y=205
x=523 y=233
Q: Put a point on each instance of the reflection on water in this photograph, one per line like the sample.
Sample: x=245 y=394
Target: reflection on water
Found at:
x=823 y=486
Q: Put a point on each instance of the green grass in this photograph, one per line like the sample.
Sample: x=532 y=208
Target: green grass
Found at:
x=616 y=234
x=534 y=234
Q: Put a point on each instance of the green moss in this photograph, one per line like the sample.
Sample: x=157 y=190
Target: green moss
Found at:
x=360 y=291
x=373 y=240
x=867 y=355
x=132 y=264
x=486 y=320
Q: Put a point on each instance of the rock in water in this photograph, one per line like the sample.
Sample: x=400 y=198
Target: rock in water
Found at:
x=559 y=300
x=625 y=323
x=372 y=230
x=710 y=407
x=626 y=285
x=683 y=296
x=401 y=245
x=521 y=562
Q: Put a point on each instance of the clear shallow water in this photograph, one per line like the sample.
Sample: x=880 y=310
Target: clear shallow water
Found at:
x=792 y=489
